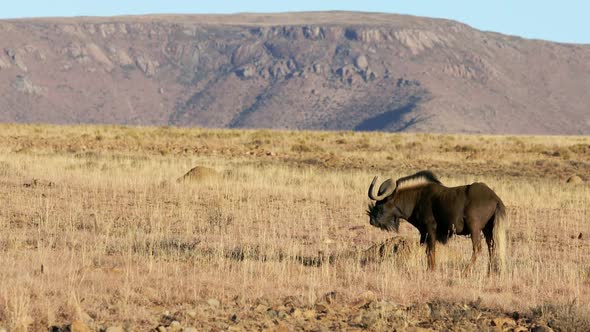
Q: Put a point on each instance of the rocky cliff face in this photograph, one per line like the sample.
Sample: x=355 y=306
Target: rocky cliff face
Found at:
x=350 y=71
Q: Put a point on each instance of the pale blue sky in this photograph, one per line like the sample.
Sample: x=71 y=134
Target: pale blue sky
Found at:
x=564 y=21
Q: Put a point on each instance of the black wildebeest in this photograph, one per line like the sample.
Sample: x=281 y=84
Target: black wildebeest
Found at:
x=439 y=212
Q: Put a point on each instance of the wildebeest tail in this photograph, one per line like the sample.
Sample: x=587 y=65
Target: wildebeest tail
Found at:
x=499 y=236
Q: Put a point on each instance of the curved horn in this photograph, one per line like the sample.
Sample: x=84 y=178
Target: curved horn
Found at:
x=381 y=195
x=371 y=188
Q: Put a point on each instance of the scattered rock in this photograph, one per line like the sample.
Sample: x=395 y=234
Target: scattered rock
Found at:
x=401 y=82
x=261 y=308
x=282 y=315
x=309 y=314
x=416 y=329
x=369 y=75
x=367 y=35
x=78 y=326
x=296 y=313
x=347 y=73
x=272 y=313
x=15 y=59
x=293 y=314
x=147 y=66
x=519 y=329
x=361 y=62
x=246 y=72
x=322 y=307
x=115 y=329
x=313 y=32
x=574 y=179
x=214 y=303
x=279 y=70
x=77 y=52
x=502 y=321
x=24 y=85
x=174 y=326
x=198 y=174
x=317 y=68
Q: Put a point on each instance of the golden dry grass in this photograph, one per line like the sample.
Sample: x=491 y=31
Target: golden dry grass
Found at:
x=93 y=223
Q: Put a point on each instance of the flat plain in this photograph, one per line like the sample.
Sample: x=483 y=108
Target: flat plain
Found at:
x=96 y=231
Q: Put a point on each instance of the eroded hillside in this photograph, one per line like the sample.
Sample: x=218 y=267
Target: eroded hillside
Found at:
x=351 y=71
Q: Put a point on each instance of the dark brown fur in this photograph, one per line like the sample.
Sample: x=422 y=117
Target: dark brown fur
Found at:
x=439 y=212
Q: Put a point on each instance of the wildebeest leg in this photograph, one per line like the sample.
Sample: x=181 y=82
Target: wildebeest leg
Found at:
x=476 y=242
x=423 y=238
x=431 y=250
x=488 y=234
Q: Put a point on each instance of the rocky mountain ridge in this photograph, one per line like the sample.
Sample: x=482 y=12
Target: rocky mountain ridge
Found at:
x=321 y=71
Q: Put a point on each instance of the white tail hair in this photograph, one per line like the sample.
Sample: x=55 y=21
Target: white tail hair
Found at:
x=499 y=237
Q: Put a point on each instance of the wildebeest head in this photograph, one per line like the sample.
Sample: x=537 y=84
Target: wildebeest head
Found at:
x=391 y=204
x=384 y=213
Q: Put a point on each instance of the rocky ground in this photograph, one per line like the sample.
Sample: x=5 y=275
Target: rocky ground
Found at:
x=333 y=313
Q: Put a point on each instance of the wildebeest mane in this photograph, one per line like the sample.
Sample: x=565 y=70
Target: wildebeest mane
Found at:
x=422 y=177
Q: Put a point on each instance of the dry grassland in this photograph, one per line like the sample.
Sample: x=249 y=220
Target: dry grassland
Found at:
x=94 y=226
